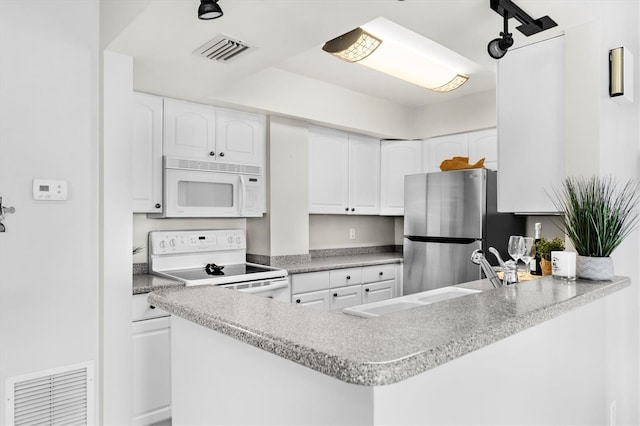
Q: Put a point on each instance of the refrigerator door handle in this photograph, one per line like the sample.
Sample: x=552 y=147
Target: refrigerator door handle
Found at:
x=446 y=240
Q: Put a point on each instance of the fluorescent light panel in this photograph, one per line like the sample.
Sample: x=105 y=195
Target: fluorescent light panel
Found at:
x=409 y=56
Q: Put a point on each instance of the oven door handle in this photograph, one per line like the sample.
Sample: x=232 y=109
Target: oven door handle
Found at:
x=275 y=286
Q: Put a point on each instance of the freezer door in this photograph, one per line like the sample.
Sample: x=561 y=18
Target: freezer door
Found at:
x=431 y=265
x=445 y=204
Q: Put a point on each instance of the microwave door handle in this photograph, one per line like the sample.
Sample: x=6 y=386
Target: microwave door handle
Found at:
x=242 y=195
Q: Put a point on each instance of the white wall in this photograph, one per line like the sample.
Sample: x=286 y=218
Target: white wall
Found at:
x=291 y=95
x=49 y=128
x=472 y=112
x=289 y=188
x=115 y=233
x=618 y=151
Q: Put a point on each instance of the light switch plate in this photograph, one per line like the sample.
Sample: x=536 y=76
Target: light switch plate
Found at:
x=49 y=190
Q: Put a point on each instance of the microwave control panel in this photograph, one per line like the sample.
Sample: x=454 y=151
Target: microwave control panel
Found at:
x=174 y=242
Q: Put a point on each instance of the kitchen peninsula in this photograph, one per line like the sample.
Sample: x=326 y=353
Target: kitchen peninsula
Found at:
x=493 y=357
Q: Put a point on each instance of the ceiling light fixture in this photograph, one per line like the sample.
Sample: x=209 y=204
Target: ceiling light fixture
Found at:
x=353 y=46
x=498 y=47
x=394 y=50
x=209 y=9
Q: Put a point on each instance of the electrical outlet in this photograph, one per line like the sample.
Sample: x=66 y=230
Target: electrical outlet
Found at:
x=352 y=233
x=613 y=413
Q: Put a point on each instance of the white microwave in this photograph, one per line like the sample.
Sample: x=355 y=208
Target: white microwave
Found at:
x=194 y=188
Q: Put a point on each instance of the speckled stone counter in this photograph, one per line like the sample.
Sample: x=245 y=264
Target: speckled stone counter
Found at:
x=386 y=349
x=346 y=261
x=145 y=283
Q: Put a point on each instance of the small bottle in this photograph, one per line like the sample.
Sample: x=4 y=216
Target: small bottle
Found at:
x=535 y=267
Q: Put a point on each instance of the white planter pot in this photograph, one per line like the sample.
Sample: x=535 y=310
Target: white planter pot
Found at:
x=594 y=268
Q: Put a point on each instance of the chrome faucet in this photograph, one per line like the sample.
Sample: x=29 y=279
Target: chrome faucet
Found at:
x=478 y=258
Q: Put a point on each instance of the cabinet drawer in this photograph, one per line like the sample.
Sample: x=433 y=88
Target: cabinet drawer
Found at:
x=376 y=292
x=344 y=297
x=372 y=274
x=141 y=310
x=318 y=300
x=344 y=277
x=312 y=281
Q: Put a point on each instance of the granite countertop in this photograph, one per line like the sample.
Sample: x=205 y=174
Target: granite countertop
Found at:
x=389 y=348
x=339 y=262
x=145 y=283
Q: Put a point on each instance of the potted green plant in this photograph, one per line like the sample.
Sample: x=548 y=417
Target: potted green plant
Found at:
x=544 y=248
x=598 y=215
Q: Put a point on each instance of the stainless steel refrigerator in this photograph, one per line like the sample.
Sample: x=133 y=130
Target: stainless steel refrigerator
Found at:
x=447 y=215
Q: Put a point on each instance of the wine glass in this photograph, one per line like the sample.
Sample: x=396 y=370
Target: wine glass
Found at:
x=529 y=252
x=516 y=248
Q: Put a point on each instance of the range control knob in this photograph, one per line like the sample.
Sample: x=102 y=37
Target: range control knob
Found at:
x=238 y=239
x=172 y=242
x=230 y=239
x=162 y=244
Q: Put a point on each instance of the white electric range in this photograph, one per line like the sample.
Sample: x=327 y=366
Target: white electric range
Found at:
x=214 y=257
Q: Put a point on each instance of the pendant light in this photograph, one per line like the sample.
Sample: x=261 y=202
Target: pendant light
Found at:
x=209 y=9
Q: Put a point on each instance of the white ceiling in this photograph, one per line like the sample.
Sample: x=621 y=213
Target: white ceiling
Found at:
x=290 y=33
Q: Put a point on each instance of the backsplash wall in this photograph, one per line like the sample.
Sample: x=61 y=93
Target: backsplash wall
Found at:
x=332 y=231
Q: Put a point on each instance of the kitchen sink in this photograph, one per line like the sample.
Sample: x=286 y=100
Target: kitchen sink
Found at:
x=398 y=304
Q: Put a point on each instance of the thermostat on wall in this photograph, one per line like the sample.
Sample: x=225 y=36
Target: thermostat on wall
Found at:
x=49 y=190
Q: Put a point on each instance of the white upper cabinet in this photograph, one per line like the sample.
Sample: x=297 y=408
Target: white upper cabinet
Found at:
x=398 y=158
x=328 y=171
x=240 y=137
x=443 y=148
x=484 y=144
x=474 y=145
x=364 y=175
x=189 y=130
x=147 y=153
x=530 y=126
x=343 y=173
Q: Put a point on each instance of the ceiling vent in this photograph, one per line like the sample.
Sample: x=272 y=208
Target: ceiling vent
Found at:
x=223 y=48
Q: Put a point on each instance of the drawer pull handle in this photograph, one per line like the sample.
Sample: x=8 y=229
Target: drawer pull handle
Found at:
x=298 y=301
x=335 y=294
x=152 y=307
x=367 y=289
x=381 y=273
x=348 y=277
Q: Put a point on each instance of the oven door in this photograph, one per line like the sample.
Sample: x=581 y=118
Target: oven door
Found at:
x=277 y=289
x=193 y=193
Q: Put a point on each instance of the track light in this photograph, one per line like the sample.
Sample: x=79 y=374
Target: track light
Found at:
x=209 y=9
x=498 y=47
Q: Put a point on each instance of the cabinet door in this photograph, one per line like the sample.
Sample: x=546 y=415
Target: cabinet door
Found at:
x=240 y=137
x=443 y=148
x=189 y=130
x=376 y=292
x=397 y=159
x=377 y=273
x=346 y=296
x=328 y=171
x=345 y=277
x=530 y=126
x=319 y=300
x=151 y=371
x=364 y=175
x=484 y=144
x=146 y=155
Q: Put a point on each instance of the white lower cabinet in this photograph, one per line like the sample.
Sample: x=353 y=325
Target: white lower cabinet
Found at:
x=314 y=299
x=341 y=288
x=344 y=297
x=151 y=334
